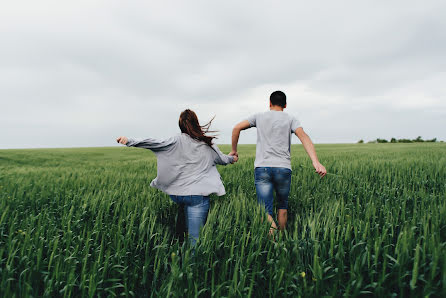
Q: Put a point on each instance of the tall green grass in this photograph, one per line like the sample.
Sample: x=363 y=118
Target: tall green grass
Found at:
x=84 y=222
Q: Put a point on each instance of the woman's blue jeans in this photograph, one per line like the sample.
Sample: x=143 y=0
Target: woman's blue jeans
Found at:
x=196 y=209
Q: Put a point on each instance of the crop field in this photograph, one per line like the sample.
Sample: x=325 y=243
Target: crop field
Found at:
x=85 y=222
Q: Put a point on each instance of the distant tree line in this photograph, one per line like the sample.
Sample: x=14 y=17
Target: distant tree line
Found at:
x=393 y=140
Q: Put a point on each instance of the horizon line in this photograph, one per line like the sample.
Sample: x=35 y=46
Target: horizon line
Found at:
x=117 y=146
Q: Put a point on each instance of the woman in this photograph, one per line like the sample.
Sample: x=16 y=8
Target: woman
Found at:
x=187 y=169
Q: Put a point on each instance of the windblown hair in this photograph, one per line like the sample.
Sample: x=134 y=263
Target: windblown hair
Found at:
x=189 y=124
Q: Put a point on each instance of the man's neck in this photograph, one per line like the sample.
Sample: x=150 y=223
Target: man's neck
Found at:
x=276 y=108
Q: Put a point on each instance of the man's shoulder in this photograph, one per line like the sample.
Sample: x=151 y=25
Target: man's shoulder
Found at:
x=289 y=116
x=273 y=115
x=280 y=114
x=259 y=113
x=265 y=114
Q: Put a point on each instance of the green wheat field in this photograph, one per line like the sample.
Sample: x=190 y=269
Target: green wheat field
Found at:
x=85 y=222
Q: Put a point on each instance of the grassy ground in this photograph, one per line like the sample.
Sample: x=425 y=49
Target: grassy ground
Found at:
x=85 y=222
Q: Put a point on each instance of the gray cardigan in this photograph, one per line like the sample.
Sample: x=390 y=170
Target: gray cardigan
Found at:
x=185 y=166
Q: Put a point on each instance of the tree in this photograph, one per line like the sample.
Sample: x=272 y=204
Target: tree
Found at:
x=419 y=139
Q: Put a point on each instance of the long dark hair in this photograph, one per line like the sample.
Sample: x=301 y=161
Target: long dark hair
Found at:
x=189 y=124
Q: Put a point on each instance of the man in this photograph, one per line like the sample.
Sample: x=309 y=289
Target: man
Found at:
x=273 y=158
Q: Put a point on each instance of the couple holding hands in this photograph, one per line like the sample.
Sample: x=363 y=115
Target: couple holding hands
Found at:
x=187 y=162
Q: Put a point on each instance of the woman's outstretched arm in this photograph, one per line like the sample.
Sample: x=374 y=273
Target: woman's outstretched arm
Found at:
x=223 y=159
x=152 y=144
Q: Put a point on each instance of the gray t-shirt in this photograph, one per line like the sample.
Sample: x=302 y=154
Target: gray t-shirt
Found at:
x=186 y=166
x=274 y=129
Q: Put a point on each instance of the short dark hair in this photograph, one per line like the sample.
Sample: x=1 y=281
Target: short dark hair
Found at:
x=278 y=98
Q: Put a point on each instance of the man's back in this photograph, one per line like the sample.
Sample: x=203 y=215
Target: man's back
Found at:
x=274 y=130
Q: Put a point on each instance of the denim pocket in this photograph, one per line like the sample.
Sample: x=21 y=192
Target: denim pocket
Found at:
x=283 y=171
x=262 y=175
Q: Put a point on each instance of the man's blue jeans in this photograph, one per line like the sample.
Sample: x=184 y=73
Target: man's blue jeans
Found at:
x=268 y=179
x=196 y=209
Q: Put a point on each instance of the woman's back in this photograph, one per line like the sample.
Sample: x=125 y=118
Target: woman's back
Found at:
x=186 y=166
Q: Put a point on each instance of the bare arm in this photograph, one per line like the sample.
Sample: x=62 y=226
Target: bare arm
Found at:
x=236 y=134
x=309 y=147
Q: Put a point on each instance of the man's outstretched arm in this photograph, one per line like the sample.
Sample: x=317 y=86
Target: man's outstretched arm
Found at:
x=309 y=147
x=236 y=134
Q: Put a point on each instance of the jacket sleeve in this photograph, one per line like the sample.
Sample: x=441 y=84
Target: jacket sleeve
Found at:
x=152 y=144
x=220 y=158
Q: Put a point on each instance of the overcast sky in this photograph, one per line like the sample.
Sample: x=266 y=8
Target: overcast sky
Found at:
x=83 y=73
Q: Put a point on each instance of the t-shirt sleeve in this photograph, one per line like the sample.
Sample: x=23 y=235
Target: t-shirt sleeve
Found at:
x=252 y=120
x=295 y=124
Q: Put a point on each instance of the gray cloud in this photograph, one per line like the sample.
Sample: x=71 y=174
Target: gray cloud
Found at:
x=83 y=73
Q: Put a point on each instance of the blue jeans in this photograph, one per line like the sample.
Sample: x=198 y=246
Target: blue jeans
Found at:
x=196 y=209
x=268 y=179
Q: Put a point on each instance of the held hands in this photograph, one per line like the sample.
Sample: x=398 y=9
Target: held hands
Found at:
x=320 y=169
x=122 y=140
x=235 y=155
